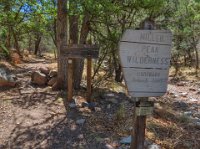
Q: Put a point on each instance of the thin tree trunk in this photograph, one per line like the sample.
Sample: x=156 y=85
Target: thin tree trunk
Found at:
x=185 y=60
x=8 y=39
x=54 y=38
x=117 y=67
x=189 y=57
x=37 y=44
x=16 y=44
x=55 y=54
x=85 y=28
x=79 y=63
x=73 y=20
x=197 y=60
x=55 y=32
x=7 y=9
x=29 y=43
x=54 y=50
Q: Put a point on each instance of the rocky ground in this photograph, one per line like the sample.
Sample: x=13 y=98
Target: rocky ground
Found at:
x=35 y=117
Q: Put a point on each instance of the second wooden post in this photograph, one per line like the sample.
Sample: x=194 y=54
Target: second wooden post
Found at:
x=89 y=78
x=70 y=80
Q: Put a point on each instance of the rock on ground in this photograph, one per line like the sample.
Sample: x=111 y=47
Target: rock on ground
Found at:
x=6 y=78
x=53 y=73
x=154 y=146
x=38 y=78
x=180 y=104
x=126 y=140
x=107 y=146
x=80 y=121
x=52 y=81
x=44 y=70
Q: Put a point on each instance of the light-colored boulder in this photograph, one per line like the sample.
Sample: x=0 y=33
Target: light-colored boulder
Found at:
x=6 y=78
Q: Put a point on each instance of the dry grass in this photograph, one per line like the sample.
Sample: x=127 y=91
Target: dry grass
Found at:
x=186 y=73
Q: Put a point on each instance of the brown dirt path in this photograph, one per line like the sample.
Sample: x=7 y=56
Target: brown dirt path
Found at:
x=33 y=117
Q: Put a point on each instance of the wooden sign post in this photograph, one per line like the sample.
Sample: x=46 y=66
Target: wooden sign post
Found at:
x=79 y=51
x=145 y=60
x=70 y=79
x=89 y=78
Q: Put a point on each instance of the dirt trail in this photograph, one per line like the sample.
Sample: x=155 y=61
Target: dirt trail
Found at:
x=35 y=117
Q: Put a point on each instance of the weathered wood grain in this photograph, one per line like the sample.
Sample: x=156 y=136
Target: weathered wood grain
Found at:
x=144 y=55
x=147 y=36
x=80 y=51
x=145 y=58
x=146 y=82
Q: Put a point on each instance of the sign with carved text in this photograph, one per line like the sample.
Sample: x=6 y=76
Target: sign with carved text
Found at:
x=145 y=59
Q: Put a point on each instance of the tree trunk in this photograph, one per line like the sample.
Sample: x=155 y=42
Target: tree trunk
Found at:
x=190 y=57
x=197 y=61
x=118 y=74
x=79 y=63
x=196 y=58
x=29 y=43
x=8 y=39
x=85 y=28
x=185 y=60
x=16 y=44
x=73 y=20
x=61 y=40
x=117 y=67
x=53 y=37
x=7 y=8
x=55 y=32
x=37 y=44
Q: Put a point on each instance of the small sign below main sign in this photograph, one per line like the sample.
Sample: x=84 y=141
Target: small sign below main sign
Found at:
x=145 y=59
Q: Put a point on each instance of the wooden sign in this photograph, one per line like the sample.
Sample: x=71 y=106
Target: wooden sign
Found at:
x=80 y=51
x=145 y=58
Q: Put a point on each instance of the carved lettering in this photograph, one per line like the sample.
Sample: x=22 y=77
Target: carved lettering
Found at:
x=145 y=60
x=148 y=74
x=148 y=60
x=151 y=37
x=150 y=49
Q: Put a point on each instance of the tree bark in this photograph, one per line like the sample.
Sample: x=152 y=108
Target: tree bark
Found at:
x=8 y=39
x=16 y=44
x=73 y=20
x=197 y=61
x=7 y=9
x=37 y=44
x=29 y=43
x=117 y=67
x=196 y=57
x=53 y=37
x=79 y=63
x=85 y=28
x=61 y=40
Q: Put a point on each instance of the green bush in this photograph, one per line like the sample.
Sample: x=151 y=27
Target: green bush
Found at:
x=4 y=52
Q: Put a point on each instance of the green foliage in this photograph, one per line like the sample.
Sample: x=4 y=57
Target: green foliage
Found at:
x=120 y=114
x=4 y=52
x=26 y=21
